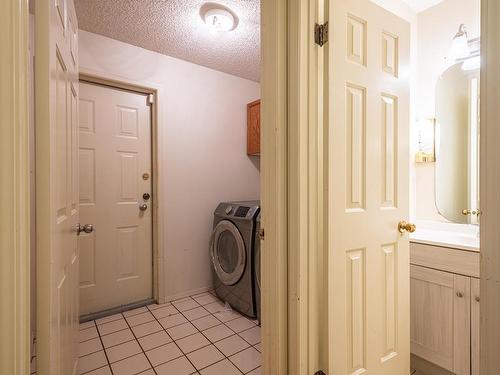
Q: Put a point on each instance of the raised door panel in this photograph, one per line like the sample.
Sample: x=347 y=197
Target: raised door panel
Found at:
x=253 y=128
x=475 y=324
x=432 y=298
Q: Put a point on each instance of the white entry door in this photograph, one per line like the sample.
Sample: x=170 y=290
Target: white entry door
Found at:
x=115 y=181
x=57 y=211
x=368 y=93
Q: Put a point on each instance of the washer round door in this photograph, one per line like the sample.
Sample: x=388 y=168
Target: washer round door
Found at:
x=228 y=253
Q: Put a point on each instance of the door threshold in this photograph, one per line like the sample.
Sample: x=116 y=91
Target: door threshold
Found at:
x=115 y=310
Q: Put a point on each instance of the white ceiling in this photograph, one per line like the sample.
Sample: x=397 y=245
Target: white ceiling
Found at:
x=421 y=5
x=175 y=28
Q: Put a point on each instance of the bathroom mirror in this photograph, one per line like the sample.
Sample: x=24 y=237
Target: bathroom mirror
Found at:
x=457 y=142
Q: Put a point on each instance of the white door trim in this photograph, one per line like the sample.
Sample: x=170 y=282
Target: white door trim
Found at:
x=489 y=185
x=14 y=189
x=158 y=217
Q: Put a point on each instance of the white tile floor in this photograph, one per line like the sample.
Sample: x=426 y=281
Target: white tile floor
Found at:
x=194 y=335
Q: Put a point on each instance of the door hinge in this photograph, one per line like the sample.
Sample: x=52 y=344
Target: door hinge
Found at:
x=321 y=34
x=151 y=99
x=261 y=234
x=320 y=372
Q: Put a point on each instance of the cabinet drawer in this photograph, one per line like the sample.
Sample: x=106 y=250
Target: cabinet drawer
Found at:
x=446 y=259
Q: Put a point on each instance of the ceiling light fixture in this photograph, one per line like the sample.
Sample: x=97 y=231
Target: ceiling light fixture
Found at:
x=219 y=19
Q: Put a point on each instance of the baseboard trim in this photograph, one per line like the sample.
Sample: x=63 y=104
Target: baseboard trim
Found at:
x=173 y=297
x=115 y=310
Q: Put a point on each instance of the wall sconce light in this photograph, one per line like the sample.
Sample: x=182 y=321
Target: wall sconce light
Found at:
x=460 y=44
x=426 y=141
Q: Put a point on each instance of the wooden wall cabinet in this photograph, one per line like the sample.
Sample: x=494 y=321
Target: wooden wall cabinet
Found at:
x=444 y=314
x=253 y=128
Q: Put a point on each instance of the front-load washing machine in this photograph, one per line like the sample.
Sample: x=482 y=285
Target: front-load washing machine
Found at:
x=231 y=254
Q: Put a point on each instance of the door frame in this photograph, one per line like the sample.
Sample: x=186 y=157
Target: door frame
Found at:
x=489 y=181
x=14 y=189
x=110 y=81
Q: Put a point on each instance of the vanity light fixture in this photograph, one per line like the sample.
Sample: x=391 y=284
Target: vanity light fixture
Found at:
x=460 y=44
x=219 y=19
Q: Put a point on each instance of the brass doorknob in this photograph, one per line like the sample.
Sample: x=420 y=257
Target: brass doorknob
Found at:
x=404 y=226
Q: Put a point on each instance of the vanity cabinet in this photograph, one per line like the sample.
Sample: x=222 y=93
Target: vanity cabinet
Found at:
x=445 y=308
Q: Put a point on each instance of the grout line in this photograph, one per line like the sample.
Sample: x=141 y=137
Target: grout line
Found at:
x=143 y=352
x=103 y=348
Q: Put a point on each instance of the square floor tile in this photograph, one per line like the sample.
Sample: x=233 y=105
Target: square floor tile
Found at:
x=147 y=372
x=186 y=305
x=114 y=326
x=117 y=338
x=221 y=368
x=106 y=370
x=206 y=322
x=195 y=313
x=204 y=357
x=240 y=324
x=163 y=354
x=165 y=311
x=180 y=331
x=122 y=351
x=231 y=345
x=137 y=311
x=87 y=325
x=227 y=315
x=257 y=371
x=89 y=346
x=172 y=320
x=252 y=335
x=179 y=366
x=135 y=320
x=215 y=307
x=131 y=366
x=91 y=362
x=205 y=299
x=154 y=340
x=88 y=333
x=247 y=360
x=109 y=318
x=155 y=306
x=147 y=329
x=191 y=343
x=218 y=333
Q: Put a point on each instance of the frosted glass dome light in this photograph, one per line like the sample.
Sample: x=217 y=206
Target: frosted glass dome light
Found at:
x=219 y=20
x=460 y=44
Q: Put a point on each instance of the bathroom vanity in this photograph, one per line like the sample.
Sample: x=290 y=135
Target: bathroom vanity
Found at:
x=444 y=284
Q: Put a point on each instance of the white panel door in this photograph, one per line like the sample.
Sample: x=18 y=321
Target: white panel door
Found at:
x=115 y=172
x=368 y=187
x=56 y=95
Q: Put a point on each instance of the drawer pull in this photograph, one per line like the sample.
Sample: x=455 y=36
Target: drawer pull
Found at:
x=477 y=299
x=460 y=294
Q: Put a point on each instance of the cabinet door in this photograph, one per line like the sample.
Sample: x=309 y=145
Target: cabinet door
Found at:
x=253 y=128
x=475 y=326
x=440 y=318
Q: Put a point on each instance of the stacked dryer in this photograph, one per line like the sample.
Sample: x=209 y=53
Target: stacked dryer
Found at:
x=233 y=256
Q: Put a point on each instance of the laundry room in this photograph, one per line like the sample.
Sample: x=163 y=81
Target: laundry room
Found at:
x=169 y=185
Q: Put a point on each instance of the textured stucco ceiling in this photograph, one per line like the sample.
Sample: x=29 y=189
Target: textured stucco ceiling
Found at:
x=175 y=28
x=421 y=5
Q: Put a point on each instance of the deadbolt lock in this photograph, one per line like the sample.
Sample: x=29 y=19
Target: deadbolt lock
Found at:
x=146 y=196
x=145 y=176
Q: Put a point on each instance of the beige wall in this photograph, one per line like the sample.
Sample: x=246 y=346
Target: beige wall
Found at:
x=204 y=161
x=436 y=28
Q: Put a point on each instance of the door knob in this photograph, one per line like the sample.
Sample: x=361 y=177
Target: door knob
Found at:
x=143 y=207
x=87 y=228
x=404 y=226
